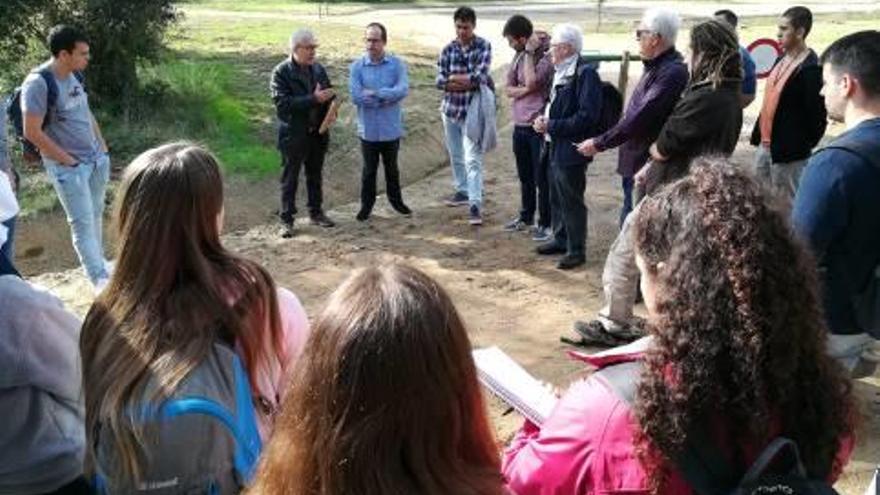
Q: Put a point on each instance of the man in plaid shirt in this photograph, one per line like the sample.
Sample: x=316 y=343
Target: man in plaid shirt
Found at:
x=463 y=66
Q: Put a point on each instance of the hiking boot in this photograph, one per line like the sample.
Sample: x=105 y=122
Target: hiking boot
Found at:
x=571 y=261
x=475 y=218
x=542 y=234
x=593 y=332
x=550 y=248
x=287 y=229
x=402 y=209
x=321 y=220
x=457 y=199
x=515 y=225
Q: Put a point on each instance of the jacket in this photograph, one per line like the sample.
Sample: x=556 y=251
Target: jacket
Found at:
x=479 y=121
x=706 y=120
x=653 y=99
x=800 y=118
x=574 y=115
x=587 y=445
x=299 y=114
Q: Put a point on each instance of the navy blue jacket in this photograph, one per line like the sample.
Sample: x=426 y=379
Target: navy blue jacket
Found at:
x=574 y=116
x=837 y=212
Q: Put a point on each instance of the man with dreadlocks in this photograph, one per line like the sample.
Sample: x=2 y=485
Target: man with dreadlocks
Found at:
x=793 y=116
x=706 y=120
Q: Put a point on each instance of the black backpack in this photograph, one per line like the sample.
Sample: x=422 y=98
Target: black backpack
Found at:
x=777 y=470
x=612 y=100
x=29 y=151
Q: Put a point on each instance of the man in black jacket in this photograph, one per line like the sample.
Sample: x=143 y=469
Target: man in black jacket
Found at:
x=793 y=117
x=301 y=92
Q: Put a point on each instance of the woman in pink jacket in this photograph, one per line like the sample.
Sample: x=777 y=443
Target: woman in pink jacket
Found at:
x=737 y=344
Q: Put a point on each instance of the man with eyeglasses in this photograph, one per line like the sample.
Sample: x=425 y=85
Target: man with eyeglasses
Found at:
x=377 y=84
x=301 y=92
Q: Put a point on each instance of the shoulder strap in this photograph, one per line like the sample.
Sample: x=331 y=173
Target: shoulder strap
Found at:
x=51 y=87
x=865 y=149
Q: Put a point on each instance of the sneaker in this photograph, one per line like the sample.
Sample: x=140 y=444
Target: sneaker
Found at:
x=571 y=261
x=593 y=332
x=362 y=216
x=542 y=234
x=321 y=220
x=402 y=209
x=287 y=229
x=475 y=218
x=457 y=199
x=550 y=248
x=515 y=225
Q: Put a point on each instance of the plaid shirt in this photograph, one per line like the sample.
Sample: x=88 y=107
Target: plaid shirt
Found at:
x=454 y=59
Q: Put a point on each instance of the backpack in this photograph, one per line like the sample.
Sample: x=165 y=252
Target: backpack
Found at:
x=184 y=417
x=612 y=100
x=29 y=151
x=777 y=470
x=867 y=303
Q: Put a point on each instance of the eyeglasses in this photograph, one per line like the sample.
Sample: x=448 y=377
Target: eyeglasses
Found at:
x=641 y=32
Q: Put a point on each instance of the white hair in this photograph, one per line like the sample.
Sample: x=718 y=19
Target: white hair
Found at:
x=302 y=36
x=568 y=33
x=662 y=22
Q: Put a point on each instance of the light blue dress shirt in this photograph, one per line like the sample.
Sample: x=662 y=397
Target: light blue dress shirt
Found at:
x=379 y=114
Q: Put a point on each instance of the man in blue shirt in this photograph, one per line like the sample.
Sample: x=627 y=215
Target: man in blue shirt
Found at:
x=750 y=79
x=838 y=200
x=378 y=83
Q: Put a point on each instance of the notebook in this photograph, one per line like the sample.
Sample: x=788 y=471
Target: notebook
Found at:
x=513 y=384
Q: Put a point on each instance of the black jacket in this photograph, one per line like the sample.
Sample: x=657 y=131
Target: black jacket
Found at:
x=574 y=115
x=299 y=114
x=800 y=118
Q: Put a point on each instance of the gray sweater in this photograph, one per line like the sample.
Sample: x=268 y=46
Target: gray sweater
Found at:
x=41 y=425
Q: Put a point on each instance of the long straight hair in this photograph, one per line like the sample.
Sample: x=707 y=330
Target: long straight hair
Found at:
x=385 y=398
x=174 y=293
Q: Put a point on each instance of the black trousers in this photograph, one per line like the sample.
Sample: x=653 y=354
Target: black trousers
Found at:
x=371 y=152
x=531 y=168
x=568 y=208
x=308 y=151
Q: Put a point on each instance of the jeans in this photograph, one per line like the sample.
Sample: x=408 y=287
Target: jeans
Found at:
x=308 y=150
x=81 y=192
x=569 y=210
x=8 y=248
x=784 y=177
x=371 y=151
x=466 y=160
x=531 y=168
x=627 y=184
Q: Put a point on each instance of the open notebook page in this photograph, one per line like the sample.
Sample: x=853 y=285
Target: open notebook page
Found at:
x=513 y=384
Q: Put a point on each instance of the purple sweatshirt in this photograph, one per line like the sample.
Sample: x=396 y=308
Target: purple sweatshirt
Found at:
x=659 y=89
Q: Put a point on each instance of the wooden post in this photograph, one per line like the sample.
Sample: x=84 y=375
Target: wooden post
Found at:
x=623 y=77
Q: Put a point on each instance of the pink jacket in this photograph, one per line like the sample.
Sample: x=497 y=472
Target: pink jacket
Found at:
x=586 y=446
x=272 y=377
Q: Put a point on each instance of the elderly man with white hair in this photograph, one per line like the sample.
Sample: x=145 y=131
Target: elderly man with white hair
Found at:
x=571 y=116
x=301 y=92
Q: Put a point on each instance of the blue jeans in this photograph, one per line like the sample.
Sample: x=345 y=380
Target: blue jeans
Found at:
x=627 y=184
x=466 y=160
x=81 y=192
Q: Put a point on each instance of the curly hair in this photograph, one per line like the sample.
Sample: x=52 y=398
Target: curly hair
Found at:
x=715 y=50
x=740 y=340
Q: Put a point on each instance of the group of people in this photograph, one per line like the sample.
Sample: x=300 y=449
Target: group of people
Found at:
x=194 y=372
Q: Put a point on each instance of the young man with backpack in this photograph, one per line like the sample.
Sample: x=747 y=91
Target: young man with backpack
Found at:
x=663 y=80
x=573 y=114
x=836 y=206
x=57 y=120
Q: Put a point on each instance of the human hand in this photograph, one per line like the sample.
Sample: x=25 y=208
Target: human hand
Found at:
x=533 y=43
x=642 y=175
x=587 y=148
x=540 y=125
x=322 y=95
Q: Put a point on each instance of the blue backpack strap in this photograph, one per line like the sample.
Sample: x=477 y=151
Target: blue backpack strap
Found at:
x=867 y=150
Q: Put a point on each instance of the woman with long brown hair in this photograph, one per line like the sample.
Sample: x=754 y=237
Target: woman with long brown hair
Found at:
x=385 y=399
x=175 y=295
x=737 y=355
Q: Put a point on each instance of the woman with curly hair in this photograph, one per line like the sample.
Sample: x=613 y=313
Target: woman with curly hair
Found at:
x=385 y=399
x=737 y=351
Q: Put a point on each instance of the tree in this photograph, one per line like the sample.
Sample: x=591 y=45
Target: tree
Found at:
x=122 y=34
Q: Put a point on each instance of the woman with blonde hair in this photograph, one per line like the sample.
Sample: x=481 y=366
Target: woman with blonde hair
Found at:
x=177 y=312
x=385 y=399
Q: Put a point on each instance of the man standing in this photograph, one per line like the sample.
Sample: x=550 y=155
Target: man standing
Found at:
x=301 y=92
x=792 y=118
x=463 y=67
x=571 y=116
x=663 y=80
x=837 y=204
x=528 y=86
x=377 y=84
x=750 y=78
x=58 y=121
